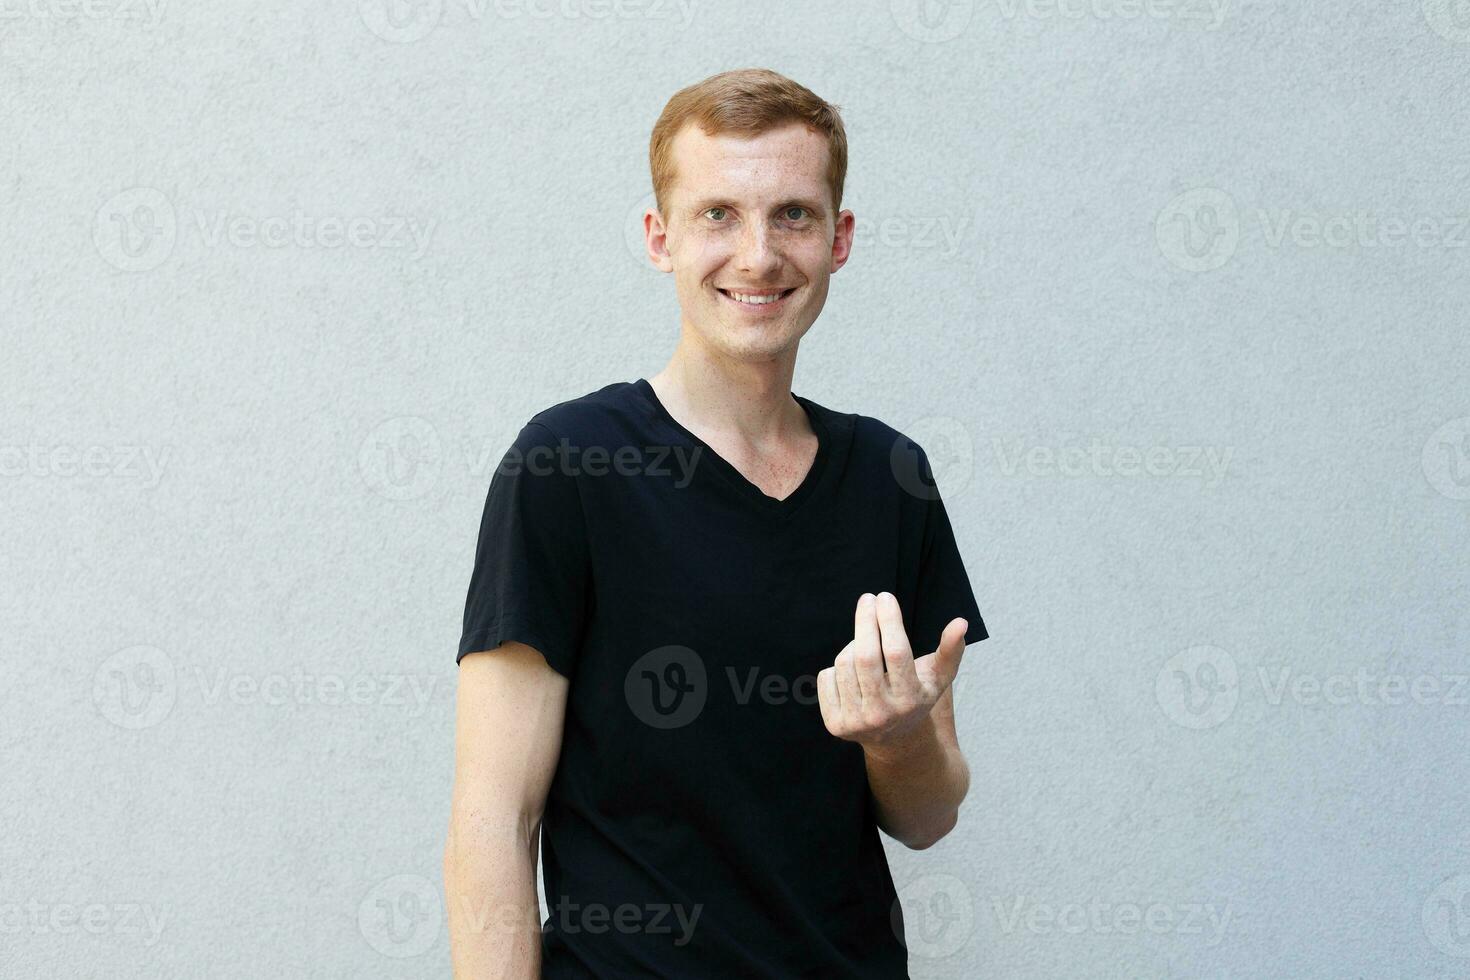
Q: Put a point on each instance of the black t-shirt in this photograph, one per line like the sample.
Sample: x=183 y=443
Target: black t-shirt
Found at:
x=702 y=821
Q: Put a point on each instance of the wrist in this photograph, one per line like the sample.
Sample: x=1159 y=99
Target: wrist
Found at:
x=919 y=742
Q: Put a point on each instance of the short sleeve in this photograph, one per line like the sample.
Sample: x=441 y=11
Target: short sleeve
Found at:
x=530 y=579
x=943 y=591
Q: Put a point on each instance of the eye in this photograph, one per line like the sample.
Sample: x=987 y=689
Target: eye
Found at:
x=794 y=207
x=717 y=213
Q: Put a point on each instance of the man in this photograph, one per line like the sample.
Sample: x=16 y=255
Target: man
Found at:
x=712 y=625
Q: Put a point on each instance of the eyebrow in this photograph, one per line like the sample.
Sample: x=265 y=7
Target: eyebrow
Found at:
x=709 y=202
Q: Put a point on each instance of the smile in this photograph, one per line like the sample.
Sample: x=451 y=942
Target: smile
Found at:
x=762 y=302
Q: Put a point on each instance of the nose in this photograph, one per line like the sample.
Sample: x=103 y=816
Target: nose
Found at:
x=757 y=251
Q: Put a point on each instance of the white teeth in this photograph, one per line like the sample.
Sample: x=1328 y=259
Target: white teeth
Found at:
x=757 y=300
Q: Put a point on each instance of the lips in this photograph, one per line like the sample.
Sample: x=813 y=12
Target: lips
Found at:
x=758 y=299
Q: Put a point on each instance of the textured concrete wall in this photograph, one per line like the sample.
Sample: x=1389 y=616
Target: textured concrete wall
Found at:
x=1173 y=292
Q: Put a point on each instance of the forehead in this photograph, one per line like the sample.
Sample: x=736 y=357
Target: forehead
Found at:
x=790 y=161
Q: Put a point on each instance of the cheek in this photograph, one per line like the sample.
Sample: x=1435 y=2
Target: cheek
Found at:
x=813 y=253
x=698 y=257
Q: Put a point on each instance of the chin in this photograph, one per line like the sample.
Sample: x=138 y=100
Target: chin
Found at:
x=763 y=347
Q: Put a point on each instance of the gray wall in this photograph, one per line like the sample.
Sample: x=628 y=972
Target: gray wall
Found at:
x=1174 y=295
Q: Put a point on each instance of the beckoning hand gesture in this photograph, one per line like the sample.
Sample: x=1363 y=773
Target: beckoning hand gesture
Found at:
x=863 y=703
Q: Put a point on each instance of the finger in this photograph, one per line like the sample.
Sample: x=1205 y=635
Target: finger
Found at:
x=937 y=670
x=829 y=699
x=865 y=623
x=867 y=648
x=849 y=694
x=898 y=656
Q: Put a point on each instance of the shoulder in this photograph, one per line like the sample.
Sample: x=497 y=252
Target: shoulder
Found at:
x=870 y=437
x=590 y=418
x=879 y=436
x=885 y=455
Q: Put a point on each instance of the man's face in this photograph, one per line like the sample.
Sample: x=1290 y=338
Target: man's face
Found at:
x=749 y=220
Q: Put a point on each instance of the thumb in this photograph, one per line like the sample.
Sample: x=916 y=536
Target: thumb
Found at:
x=937 y=670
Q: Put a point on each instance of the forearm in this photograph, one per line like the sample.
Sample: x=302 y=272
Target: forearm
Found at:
x=917 y=785
x=490 y=893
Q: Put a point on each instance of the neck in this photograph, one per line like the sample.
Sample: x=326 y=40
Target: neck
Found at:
x=751 y=399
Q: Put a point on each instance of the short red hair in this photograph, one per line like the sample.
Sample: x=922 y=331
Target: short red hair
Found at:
x=745 y=102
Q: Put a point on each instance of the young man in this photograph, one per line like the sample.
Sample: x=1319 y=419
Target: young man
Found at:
x=712 y=625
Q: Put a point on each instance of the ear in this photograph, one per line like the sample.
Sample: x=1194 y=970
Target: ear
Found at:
x=656 y=239
x=843 y=232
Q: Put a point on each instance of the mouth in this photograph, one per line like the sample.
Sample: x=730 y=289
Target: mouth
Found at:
x=758 y=301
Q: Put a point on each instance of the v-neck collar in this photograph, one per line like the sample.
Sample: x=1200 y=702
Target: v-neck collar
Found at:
x=826 y=446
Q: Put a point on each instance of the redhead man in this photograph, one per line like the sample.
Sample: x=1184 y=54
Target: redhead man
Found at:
x=712 y=625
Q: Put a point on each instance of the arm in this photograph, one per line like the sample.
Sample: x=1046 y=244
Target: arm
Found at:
x=509 y=712
x=918 y=784
x=901 y=711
